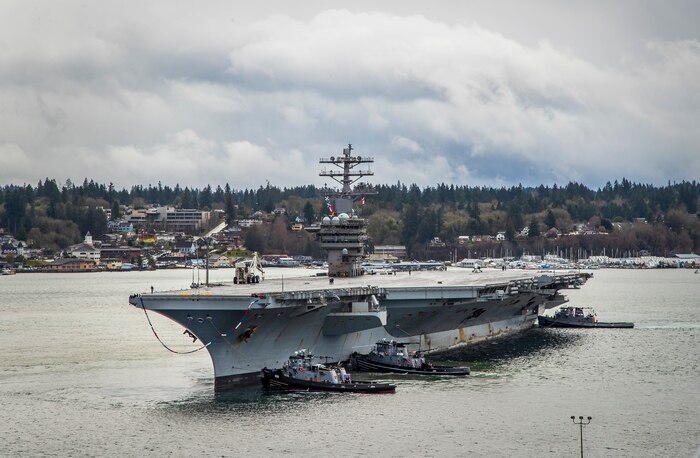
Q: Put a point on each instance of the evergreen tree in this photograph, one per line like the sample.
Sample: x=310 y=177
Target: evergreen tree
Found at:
x=514 y=216
x=474 y=211
x=219 y=194
x=206 y=198
x=229 y=207
x=51 y=191
x=550 y=220
x=15 y=208
x=410 y=220
x=254 y=240
x=427 y=227
x=308 y=212
x=510 y=231
x=534 y=229
x=186 y=200
x=116 y=210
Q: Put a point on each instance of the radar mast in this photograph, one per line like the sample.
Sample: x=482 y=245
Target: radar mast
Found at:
x=346 y=172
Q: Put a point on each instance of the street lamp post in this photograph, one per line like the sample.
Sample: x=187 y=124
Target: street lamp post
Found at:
x=581 y=423
x=205 y=242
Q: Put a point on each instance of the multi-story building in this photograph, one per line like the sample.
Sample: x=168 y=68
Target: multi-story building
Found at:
x=85 y=250
x=169 y=218
x=183 y=219
x=398 y=251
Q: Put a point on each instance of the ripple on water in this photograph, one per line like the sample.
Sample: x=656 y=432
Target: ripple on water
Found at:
x=91 y=380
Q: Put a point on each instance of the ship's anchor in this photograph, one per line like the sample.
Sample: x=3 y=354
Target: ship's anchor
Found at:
x=189 y=334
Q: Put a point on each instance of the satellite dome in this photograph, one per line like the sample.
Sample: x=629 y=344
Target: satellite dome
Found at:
x=326 y=220
x=335 y=220
x=343 y=216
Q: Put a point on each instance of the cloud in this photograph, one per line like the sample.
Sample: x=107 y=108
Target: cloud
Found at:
x=197 y=96
x=14 y=163
x=186 y=159
x=406 y=144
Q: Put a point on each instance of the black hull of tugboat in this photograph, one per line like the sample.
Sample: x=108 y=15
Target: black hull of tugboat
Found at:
x=275 y=379
x=234 y=382
x=548 y=322
x=365 y=364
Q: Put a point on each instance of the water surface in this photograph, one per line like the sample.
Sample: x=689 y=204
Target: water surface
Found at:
x=81 y=374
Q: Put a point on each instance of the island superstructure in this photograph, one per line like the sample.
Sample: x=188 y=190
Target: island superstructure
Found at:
x=246 y=327
x=342 y=235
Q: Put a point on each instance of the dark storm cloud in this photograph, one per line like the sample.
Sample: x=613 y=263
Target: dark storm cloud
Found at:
x=458 y=93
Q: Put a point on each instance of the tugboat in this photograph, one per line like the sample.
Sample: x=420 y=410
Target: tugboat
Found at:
x=391 y=356
x=300 y=373
x=578 y=317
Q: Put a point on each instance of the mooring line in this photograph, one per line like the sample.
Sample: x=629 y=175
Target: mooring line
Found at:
x=222 y=335
x=163 y=343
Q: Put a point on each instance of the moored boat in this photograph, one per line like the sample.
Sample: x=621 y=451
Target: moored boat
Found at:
x=301 y=373
x=392 y=356
x=578 y=317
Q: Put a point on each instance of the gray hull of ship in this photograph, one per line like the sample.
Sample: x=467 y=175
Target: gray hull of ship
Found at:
x=249 y=327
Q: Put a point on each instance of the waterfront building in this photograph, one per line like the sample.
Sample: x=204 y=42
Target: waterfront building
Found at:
x=85 y=250
x=120 y=253
x=9 y=248
x=70 y=265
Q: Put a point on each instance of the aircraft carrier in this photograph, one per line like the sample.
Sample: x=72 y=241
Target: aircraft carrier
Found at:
x=246 y=327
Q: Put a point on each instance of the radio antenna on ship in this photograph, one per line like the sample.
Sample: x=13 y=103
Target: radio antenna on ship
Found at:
x=347 y=173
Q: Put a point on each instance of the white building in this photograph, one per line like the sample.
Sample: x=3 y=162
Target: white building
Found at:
x=85 y=250
x=249 y=222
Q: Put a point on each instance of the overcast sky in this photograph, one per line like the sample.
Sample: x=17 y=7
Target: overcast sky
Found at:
x=464 y=92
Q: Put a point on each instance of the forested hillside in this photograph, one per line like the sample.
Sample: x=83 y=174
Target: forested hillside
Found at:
x=621 y=216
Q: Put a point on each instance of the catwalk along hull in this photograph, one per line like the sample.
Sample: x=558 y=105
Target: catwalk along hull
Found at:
x=248 y=327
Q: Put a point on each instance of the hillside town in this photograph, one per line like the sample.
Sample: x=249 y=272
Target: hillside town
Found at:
x=166 y=237
x=93 y=226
